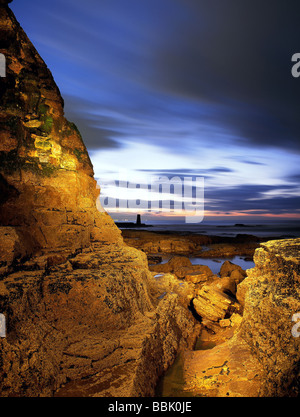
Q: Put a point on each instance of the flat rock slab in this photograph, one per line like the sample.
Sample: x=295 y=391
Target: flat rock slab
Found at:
x=227 y=370
x=212 y=304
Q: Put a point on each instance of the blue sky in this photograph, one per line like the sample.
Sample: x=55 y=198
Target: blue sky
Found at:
x=182 y=88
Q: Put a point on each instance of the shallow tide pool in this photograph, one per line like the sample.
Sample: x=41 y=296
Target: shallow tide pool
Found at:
x=215 y=263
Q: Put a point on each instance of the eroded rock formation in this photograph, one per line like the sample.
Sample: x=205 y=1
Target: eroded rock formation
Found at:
x=262 y=357
x=272 y=298
x=85 y=316
x=48 y=193
x=82 y=308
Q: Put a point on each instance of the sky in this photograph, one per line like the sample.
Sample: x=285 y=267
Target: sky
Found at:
x=171 y=91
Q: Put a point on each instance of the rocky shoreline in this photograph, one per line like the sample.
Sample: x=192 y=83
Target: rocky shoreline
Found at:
x=83 y=312
x=190 y=244
x=93 y=312
x=225 y=360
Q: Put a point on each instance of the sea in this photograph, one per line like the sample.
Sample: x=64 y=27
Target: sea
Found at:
x=287 y=229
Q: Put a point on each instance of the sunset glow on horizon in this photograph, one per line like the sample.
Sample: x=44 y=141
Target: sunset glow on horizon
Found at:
x=173 y=88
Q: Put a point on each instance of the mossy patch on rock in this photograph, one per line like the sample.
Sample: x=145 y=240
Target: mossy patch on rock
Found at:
x=11 y=162
x=79 y=154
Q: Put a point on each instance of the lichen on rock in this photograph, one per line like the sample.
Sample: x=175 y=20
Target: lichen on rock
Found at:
x=42 y=154
x=262 y=357
x=81 y=307
x=272 y=298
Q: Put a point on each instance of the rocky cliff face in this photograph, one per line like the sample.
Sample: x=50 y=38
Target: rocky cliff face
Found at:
x=262 y=358
x=47 y=190
x=272 y=298
x=82 y=309
x=84 y=314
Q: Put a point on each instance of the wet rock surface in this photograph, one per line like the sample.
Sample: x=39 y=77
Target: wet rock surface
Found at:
x=224 y=371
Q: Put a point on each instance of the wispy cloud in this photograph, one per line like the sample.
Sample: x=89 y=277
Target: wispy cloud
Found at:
x=179 y=87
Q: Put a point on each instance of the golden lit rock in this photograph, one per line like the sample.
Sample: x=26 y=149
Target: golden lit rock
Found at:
x=85 y=314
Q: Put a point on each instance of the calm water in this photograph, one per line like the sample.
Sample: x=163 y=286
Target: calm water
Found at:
x=172 y=383
x=287 y=229
x=215 y=263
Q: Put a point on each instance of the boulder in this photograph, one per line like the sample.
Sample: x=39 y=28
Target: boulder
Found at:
x=236 y=319
x=175 y=263
x=179 y=261
x=168 y=283
x=213 y=305
x=182 y=267
x=195 y=277
x=237 y=275
x=228 y=267
x=195 y=273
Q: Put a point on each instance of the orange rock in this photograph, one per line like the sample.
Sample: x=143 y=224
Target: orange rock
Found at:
x=212 y=304
x=227 y=370
x=43 y=160
x=81 y=305
x=228 y=267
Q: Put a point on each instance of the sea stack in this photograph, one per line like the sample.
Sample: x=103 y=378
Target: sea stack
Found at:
x=48 y=193
x=77 y=302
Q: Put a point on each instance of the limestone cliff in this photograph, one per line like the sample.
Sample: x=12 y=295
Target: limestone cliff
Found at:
x=47 y=190
x=82 y=309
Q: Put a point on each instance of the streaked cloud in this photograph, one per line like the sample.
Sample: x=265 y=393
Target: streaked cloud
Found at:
x=181 y=87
